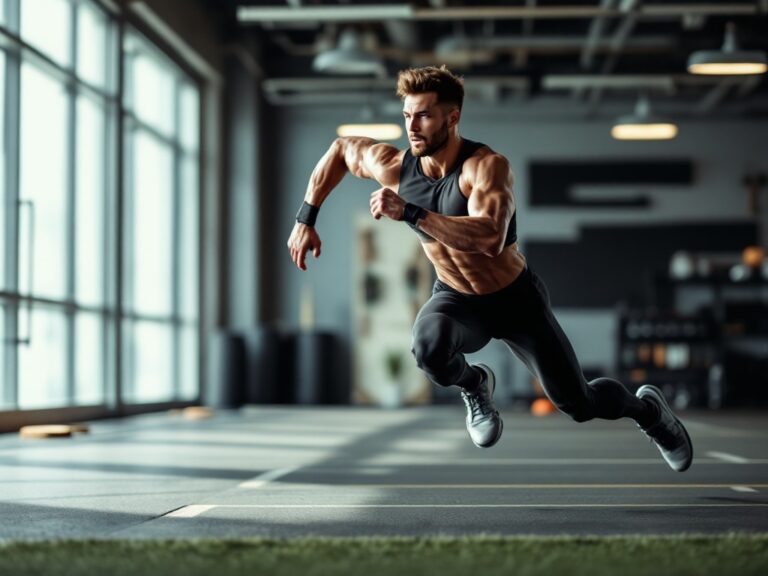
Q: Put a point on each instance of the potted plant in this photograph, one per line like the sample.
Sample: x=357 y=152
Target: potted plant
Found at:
x=392 y=395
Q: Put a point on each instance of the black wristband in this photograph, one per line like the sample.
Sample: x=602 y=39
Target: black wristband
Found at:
x=307 y=214
x=412 y=213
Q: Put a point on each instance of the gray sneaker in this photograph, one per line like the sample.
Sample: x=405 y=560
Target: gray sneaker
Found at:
x=483 y=422
x=669 y=434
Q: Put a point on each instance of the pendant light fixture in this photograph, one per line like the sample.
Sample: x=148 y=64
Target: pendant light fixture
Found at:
x=642 y=125
x=349 y=57
x=729 y=60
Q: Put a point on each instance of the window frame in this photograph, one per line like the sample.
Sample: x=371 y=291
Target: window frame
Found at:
x=113 y=313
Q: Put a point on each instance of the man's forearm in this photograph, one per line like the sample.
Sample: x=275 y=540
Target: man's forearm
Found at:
x=472 y=234
x=327 y=174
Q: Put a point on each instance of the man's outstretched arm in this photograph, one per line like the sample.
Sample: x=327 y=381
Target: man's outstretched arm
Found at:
x=364 y=158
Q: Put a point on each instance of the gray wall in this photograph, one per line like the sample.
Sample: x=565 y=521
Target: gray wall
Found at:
x=298 y=136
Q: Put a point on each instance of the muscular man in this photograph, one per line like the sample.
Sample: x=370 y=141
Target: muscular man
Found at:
x=457 y=195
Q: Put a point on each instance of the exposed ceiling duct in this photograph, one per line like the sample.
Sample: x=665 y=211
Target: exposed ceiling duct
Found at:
x=528 y=51
x=339 y=90
x=455 y=45
x=382 y=12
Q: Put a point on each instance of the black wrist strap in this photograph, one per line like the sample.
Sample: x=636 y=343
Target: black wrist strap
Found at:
x=307 y=214
x=412 y=213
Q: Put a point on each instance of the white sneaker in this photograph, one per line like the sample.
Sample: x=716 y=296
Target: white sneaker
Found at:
x=669 y=434
x=483 y=422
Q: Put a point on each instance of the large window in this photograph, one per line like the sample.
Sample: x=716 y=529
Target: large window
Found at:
x=161 y=249
x=61 y=207
x=4 y=207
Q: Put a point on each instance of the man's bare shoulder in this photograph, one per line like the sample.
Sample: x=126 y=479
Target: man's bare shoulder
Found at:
x=384 y=161
x=483 y=163
x=384 y=154
x=485 y=157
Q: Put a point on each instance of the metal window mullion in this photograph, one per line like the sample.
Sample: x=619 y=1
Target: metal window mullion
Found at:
x=200 y=196
x=124 y=224
x=12 y=11
x=48 y=302
x=71 y=209
x=109 y=258
x=48 y=65
x=11 y=141
x=176 y=242
x=127 y=299
x=150 y=129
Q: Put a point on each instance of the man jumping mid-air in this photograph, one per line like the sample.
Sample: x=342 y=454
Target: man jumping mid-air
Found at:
x=457 y=196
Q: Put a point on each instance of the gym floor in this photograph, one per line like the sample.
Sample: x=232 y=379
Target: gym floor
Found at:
x=339 y=471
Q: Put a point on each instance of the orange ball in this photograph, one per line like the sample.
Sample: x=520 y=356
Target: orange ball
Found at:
x=752 y=256
x=542 y=407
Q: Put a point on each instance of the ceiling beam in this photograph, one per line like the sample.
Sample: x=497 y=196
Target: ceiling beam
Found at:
x=381 y=12
x=660 y=82
x=716 y=95
x=596 y=28
x=630 y=9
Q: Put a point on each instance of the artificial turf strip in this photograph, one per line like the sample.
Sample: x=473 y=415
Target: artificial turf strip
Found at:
x=732 y=554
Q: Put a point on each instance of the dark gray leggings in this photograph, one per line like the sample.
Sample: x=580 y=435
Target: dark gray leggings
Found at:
x=452 y=324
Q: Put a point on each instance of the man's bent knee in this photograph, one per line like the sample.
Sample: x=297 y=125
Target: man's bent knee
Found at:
x=429 y=354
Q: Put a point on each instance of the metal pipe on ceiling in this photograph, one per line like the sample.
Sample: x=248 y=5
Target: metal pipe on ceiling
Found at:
x=381 y=12
x=595 y=34
x=631 y=9
x=340 y=85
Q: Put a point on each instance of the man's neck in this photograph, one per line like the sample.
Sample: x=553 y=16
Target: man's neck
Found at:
x=440 y=163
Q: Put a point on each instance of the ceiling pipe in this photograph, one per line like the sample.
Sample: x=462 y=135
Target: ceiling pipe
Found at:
x=382 y=12
x=595 y=34
x=660 y=82
x=715 y=96
x=482 y=86
x=542 y=44
x=630 y=9
x=521 y=56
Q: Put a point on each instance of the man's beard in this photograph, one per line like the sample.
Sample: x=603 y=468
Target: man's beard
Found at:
x=434 y=144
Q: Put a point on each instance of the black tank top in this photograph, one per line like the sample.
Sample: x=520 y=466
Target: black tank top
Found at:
x=443 y=195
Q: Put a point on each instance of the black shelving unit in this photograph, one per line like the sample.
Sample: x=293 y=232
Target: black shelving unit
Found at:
x=677 y=353
x=714 y=356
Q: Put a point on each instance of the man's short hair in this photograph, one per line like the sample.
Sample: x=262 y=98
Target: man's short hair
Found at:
x=448 y=86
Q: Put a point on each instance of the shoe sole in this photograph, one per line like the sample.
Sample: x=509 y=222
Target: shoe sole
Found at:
x=492 y=376
x=660 y=397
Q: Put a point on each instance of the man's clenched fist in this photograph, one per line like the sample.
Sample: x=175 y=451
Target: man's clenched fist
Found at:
x=384 y=202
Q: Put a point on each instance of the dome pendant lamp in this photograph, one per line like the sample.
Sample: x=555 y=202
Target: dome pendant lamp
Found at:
x=729 y=60
x=642 y=125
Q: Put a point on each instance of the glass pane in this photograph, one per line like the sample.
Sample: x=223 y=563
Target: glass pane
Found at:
x=190 y=117
x=5 y=348
x=189 y=363
x=42 y=366
x=46 y=24
x=188 y=282
x=152 y=225
x=149 y=362
x=89 y=198
x=43 y=177
x=92 y=45
x=89 y=360
x=3 y=200
x=152 y=89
